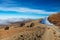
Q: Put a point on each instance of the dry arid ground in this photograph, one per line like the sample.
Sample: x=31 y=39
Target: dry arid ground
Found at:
x=31 y=30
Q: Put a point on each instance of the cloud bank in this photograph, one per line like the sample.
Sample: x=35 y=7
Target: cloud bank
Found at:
x=23 y=10
x=20 y=9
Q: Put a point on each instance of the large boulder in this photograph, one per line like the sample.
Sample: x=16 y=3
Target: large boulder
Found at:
x=55 y=19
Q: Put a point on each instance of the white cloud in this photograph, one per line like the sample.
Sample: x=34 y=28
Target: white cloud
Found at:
x=19 y=9
x=21 y=16
x=6 y=20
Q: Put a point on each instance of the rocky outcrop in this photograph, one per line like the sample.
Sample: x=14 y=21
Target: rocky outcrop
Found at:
x=55 y=19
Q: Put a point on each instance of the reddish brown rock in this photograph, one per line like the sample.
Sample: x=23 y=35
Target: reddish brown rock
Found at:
x=55 y=19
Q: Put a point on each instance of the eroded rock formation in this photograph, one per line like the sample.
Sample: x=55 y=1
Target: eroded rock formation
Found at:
x=55 y=19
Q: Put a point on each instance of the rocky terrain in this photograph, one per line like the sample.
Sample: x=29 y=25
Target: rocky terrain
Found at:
x=31 y=30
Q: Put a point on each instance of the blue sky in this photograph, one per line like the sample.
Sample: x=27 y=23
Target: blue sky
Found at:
x=28 y=8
